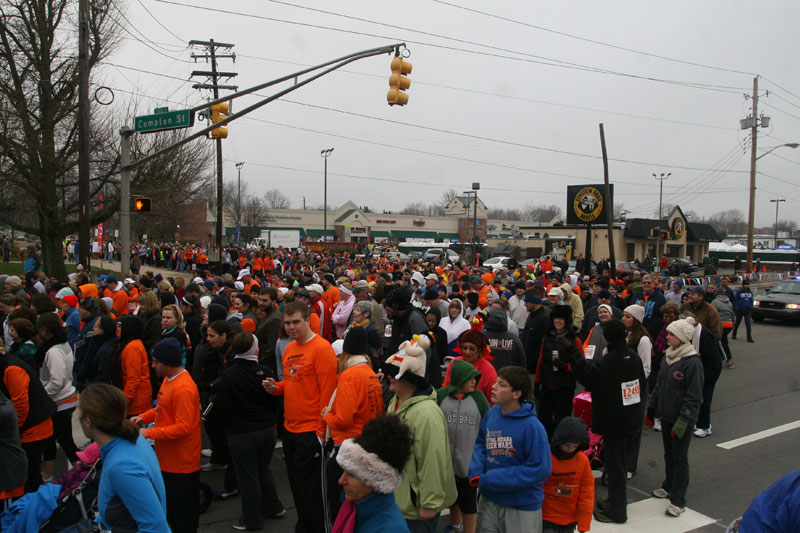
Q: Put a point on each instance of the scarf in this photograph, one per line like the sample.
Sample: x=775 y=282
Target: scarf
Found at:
x=346 y=519
x=673 y=355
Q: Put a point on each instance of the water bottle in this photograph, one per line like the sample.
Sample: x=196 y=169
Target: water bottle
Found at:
x=554 y=355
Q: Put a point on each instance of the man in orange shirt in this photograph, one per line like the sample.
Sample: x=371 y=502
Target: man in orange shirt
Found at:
x=309 y=379
x=480 y=287
x=177 y=435
x=331 y=295
x=115 y=291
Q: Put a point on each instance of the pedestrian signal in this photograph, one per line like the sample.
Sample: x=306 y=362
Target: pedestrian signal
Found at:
x=143 y=205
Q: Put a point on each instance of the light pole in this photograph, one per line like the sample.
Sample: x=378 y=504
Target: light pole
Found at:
x=325 y=154
x=239 y=201
x=752 y=211
x=777 y=203
x=660 y=214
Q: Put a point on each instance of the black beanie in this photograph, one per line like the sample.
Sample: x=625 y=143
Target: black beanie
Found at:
x=108 y=325
x=615 y=331
x=168 y=352
x=355 y=342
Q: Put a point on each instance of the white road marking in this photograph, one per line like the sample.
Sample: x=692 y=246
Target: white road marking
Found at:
x=760 y=435
x=649 y=515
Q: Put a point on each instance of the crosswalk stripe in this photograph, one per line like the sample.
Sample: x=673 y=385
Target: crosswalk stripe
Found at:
x=760 y=435
x=649 y=515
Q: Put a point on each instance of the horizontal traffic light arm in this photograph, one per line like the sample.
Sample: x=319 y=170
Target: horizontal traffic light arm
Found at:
x=337 y=64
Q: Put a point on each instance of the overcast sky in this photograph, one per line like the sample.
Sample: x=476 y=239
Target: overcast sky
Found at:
x=496 y=97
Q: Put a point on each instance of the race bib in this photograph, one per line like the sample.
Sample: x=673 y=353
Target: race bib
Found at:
x=588 y=353
x=630 y=392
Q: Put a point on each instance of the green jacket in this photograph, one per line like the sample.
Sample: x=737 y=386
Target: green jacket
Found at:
x=428 y=479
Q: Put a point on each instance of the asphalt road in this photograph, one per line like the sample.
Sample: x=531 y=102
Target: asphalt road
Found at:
x=760 y=393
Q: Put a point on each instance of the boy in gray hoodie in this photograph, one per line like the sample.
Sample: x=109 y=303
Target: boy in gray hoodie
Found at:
x=463 y=407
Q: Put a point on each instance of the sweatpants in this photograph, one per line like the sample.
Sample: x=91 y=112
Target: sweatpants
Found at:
x=34 y=451
x=62 y=432
x=676 y=463
x=494 y=518
x=615 y=458
x=183 y=501
x=307 y=480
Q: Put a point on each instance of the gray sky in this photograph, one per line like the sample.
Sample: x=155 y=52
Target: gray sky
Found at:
x=516 y=109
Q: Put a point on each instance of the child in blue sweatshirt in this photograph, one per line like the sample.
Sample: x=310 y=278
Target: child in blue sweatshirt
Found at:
x=511 y=460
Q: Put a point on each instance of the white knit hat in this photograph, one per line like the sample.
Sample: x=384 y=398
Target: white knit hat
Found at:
x=683 y=329
x=636 y=311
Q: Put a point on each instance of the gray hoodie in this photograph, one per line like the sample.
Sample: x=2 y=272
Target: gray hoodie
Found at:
x=724 y=307
x=506 y=347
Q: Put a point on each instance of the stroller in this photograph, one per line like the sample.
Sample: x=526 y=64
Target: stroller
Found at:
x=77 y=502
x=582 y=408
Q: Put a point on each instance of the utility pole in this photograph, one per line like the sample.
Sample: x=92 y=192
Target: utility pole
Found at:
x=609 y=203
x=475 y=187
x=325 y=154
x=238 y=201
x=125 y=201
x=213 y=77
x=753 y=147
x=84 y=135
x=660 y=213
x=777 y=203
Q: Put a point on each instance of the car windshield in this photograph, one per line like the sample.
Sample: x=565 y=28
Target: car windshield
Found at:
x=787 y=287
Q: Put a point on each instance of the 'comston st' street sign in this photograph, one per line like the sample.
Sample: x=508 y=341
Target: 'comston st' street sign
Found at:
x=164 y=120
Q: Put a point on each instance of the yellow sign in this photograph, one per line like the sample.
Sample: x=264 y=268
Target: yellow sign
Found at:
x=588 y=204
x=678 y=228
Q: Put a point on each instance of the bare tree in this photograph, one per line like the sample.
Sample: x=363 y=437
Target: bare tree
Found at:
x=39 y=127
x=540 y=213
x=275 y=199
x=786 y=225
x=730 y=222
x=415 y=208
x=439 y=208
x=504 y=214
x=254 y=215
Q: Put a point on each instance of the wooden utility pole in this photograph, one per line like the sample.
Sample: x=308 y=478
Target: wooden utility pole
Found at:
x=609 y=205
x=213 y=76
x=84 y=135
x=753 y=147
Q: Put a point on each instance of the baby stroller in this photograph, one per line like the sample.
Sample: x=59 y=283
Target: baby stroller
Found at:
x=582 y=408
x=77 y=501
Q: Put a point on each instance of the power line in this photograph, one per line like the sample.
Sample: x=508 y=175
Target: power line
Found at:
x=779 y=110
x=779 y=87
x=160 y=23
x=593 y=41
x=540 y=60
x=144 y=42
x=489 y=139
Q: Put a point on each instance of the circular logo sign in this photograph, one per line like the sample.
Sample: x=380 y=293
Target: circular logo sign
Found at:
x=588 y=204
x=678 y=228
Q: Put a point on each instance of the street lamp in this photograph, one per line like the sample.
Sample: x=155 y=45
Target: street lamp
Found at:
x=239 y=202
x=752 y=211
x=325 y=153
x=777 y=203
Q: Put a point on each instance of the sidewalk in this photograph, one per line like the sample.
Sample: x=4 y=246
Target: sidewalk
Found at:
x=115 y=267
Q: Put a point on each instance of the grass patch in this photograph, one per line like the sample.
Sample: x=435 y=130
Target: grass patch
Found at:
x=15 y=269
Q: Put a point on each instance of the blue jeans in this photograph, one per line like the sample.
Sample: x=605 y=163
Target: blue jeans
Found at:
x=423 y=526
x=747 y=324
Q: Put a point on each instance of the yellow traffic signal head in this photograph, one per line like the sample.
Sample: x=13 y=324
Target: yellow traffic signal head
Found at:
x=399 y=81
x=219 y=113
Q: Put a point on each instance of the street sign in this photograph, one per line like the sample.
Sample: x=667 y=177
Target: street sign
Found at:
x=164 y=120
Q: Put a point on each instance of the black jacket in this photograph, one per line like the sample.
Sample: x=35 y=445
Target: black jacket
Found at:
x=679 y=390
x=604 y=379
x=267 y=332
x=506 y=347
x=102 y=364
x=209 y=362
x=243 y=404
x=546 y=374
x=40 y=405
x=536 y=326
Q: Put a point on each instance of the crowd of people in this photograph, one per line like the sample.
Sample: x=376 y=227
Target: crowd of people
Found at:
x=398 y=389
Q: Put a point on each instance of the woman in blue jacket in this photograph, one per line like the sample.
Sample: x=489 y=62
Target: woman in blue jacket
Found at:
x=131 y=496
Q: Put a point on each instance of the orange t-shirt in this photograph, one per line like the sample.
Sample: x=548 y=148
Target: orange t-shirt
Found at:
x=136 y=377
x=202 y=258
x=242 y=261
x=16 y=380
x=309 y=379
x=331 y=297
x=359 y=399
x=258 y=263
x=177 y=434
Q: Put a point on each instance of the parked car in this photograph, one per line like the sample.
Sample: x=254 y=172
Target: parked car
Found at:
x=496 y=262
x=396 y=255
x=626 y=268
x=436 y=253
x=782 y=302
x=686 y=266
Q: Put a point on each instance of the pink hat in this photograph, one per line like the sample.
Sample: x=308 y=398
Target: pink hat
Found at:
x=90 y=454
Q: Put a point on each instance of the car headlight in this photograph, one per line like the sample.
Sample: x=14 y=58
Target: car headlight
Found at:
x=792 y=306
x=756 y=303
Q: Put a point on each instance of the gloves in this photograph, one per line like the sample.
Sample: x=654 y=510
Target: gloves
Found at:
x=537 y=390
x=474 y=481
x=649 y=417
x=561 y=364
x=678 y=429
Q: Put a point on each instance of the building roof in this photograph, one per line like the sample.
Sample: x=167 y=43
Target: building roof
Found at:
x=639 y=228
x=345 y=215
x=702 y=232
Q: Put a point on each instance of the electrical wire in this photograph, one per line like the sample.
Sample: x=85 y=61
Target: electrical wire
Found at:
x=183 y=41
x=779 y=110
x=779 y=87
x=543 y=61
x=154 y=49
x=593 y=41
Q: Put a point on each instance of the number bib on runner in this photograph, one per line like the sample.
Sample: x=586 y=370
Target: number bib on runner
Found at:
x=630 y=392
x=588 y=353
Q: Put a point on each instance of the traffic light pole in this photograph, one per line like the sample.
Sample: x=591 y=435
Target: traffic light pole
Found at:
x=125 y=201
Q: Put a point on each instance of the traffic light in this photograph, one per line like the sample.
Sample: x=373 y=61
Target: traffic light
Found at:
x=143 y=204
x=219 y=113
x=399 y=82
x=654 y=233
x=663 y=235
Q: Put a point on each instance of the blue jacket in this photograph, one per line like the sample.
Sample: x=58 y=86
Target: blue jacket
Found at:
x=72 y=319
x=29 y=512
x=512 y=458
x=775 y=509
x=378 y=513
x=131 y=475
x=743 y=300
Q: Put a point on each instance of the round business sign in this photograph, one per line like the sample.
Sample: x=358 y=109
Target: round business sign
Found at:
x=678 y=228
x=588 y=204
